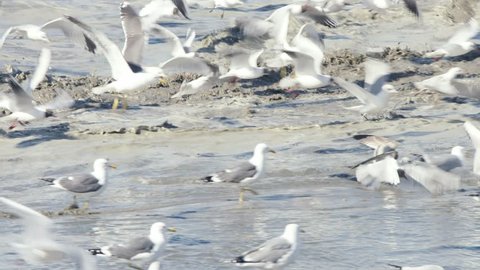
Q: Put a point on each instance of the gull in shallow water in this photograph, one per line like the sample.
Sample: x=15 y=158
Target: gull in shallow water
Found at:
x=91 y=184
x=37 y=244
x=36 y=32
x=146 y=249
x=273 y=254
x=448 y=162
x=423 y=267
x=474 y=134
x=376 y=94
x=460 y=43
x=244 y=172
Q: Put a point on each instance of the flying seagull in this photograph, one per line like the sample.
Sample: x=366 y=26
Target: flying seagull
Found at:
x=37 y=244
x=36 y=32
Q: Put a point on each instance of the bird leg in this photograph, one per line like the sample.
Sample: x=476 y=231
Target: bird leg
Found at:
x=364 y=115
x=242 y=192
x=124 y=103
x=223 y=14
x=13 y=125
x=115 y=104
x=74 y=204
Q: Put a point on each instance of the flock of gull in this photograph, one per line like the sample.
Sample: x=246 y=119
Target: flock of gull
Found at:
x=305 y=51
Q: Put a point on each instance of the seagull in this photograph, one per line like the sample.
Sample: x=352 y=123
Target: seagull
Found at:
x=201 y=84
x=460 y=43
x=307 y=41
x=21 y=104
x=455 y=159
x=36 y=32
x=245 y=172
x=243 y=64
x=157 y=9
x=424 y=267
x=146 y=249
x=273 y=254
x=226 y=4
x=431 y=177
x=411 y=5
x=307 y=73
x=330 y=6
x=376 y=94
x=37 y=244
x=377 y=170
x=449 y=84
x=474 y=135
x=91 y=184
x=379 y=144
x=306 y=10
x=125 y=79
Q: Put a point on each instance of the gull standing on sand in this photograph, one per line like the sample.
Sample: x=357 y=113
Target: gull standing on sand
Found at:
x=273 y=254
x=423 y=267
x=245 y=172
x=146 y=249
x=376 y=94
x=460 y=43
x=38 y=246
x=89 y=185
x=36 y=32
x=474 y=134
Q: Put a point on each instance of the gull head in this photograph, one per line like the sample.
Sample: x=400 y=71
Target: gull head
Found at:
x=455 y=71
x=102 y=164
x=291 y=231
x=263 y=148
x=458 y=151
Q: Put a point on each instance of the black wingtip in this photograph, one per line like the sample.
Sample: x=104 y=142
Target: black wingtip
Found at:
x=207 y=179
x=394 y=265
x=411 y=5
x=47 y=179
x=238 y=260
x=95 y=251
x=89 y=44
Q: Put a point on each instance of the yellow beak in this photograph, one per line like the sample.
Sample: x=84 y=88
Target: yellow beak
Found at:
x=172 y=229
x=113 y=166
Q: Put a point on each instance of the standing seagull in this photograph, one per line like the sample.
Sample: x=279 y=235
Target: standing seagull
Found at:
x=273 y=254
x=38 y=246
x=90 y=184
x=245 y=172
x=142 y=248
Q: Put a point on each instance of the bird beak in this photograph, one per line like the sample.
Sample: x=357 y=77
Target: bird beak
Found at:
x=113 y=166
x=272 y=151
x=302 y=231
x=172 y=229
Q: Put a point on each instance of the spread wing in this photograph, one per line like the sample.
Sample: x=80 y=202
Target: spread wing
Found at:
x=134 y=35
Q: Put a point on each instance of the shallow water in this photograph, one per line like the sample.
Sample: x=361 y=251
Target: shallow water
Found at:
x=346 y=226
